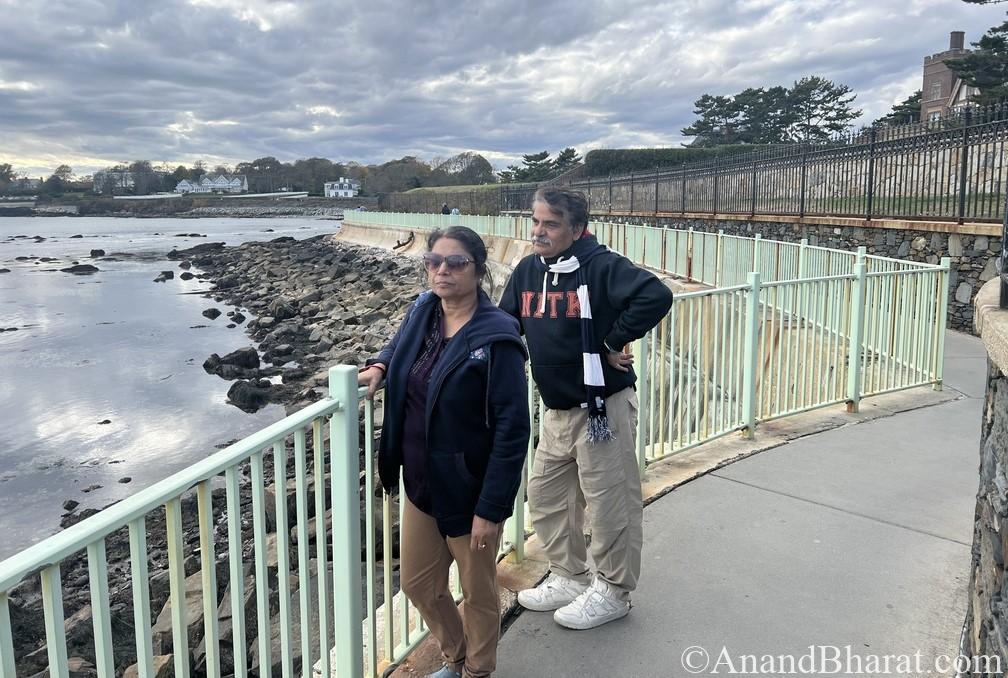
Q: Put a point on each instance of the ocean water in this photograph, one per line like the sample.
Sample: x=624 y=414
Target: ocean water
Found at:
x=110 y=347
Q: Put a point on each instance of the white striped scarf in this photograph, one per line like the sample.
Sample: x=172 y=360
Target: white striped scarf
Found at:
x=594 y=379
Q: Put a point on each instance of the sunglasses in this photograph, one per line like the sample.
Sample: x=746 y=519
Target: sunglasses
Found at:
x=455 y=262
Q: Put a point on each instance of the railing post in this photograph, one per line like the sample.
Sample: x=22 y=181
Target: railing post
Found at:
x=718 y=257
x=757 y=258
x=345 y=468
x=857 y=316
x=610 y=194
x=803 y=259
x=1004 y=258
x=631 y=190
x=870 y=188
x=644 y=390
x=941 y=322
x=751 y=364
x=964 y=164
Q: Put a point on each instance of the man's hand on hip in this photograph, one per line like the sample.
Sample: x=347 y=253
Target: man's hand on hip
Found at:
x=620 y=361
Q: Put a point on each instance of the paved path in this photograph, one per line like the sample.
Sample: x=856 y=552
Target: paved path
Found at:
x=855 y=536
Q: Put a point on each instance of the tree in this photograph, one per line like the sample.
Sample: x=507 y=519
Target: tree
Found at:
x=462 y=169
x=906 y=111
x=534 y=167
x=987 y=67
x=144 y=178
x=566 y=160
x=6 y=174
x=820 y=109
x=716 y=122
x=64 y=173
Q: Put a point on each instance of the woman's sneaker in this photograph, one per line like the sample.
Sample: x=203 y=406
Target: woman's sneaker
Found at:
x=552 y=594
x=599 y=604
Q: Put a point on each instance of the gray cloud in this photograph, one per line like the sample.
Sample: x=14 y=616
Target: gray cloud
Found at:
x=91 y=83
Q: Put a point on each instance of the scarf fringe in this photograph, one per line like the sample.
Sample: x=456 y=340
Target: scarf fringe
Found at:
x=598 y=429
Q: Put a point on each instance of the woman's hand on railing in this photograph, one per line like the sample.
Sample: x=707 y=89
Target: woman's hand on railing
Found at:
x=371 y=377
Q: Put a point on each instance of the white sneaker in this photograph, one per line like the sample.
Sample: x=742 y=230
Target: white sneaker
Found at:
x=552 y=594
x=599 y=604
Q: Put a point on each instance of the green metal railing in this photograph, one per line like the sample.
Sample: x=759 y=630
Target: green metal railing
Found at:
x=771 y=329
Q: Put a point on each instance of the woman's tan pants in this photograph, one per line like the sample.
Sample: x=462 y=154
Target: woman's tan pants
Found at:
x=468 y=640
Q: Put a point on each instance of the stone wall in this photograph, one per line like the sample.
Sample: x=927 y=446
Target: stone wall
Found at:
x=972 y=247
x=986 y=628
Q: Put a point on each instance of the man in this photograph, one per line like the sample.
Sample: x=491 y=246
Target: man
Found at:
x=579 y=304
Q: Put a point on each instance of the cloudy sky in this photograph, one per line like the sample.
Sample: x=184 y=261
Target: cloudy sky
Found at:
x=93 y=83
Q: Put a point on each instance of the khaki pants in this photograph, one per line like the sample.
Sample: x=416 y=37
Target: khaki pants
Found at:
x=469 y=644
x=569 y=473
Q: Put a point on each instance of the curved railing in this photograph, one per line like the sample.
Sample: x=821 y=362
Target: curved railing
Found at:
x=772 y=329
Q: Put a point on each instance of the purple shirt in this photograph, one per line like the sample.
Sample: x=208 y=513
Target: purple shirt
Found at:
x=414 y=444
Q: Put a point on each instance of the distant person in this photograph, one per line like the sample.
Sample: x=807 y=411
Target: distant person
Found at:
x=444 y=208
x=455 y=211
x=457 y=424
x=456 y=217
x=579 y=304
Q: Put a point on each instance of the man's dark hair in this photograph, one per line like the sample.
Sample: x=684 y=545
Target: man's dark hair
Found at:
x=473 y=244
x=571 y=205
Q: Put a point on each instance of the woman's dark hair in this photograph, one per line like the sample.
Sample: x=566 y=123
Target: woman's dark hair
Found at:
x=473 y=244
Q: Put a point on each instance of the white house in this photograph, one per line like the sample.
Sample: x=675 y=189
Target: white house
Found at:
x=344 y=188
x=218 y=183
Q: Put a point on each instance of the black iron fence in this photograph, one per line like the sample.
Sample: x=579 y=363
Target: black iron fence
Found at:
x=951 y=169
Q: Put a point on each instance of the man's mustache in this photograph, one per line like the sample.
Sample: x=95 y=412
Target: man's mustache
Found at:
x=541 y=240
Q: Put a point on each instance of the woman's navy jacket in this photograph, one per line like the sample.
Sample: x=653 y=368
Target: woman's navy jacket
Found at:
x=477 y=414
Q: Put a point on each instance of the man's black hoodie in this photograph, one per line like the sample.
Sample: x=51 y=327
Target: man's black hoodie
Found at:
x=626 y=302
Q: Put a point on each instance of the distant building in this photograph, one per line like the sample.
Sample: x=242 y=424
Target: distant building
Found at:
x=25 y=184
x=943 y=92
x=344 y=188
x=218 y=183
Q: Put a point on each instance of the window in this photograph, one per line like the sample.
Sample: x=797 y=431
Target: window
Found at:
x=934 y=116
x=936 y=90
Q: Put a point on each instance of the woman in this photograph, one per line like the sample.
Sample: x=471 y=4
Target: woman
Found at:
x=457 y=424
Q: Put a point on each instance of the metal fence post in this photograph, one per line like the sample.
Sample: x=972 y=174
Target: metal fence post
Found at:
x=610 y=194
x=751 y=358
x=643 y=349
x=942 y=320
x=802 y=258
x=752 y=206
x=857 y=316
x=683 y=197
x=803 y=183
x=757 y=255
x=870 y=188
x=964 y=164
x=631 y=190
x=656 y=190
x=345 y=469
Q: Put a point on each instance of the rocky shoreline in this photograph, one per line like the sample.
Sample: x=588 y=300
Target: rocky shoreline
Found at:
x=315 y=303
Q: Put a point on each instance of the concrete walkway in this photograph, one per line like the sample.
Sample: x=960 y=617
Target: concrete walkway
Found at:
x=856 y=536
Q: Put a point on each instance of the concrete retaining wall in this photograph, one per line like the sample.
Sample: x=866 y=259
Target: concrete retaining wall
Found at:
x=986 y=630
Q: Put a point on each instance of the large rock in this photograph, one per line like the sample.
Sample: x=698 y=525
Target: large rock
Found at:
x=161 y=634
x=80 y=269
x=249 y=396
x=162 y=667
